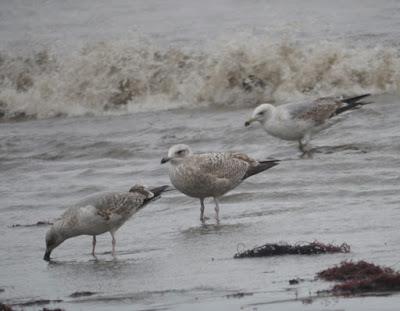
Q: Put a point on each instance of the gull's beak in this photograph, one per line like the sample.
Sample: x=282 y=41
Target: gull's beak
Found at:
x=47 y=255
x=165 y=160
x=249 y=121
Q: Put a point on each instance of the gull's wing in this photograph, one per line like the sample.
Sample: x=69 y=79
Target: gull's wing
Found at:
x=228 y=166
x=231 y=166
x=317 y=111
x=119 y=204
x=105 y=212
x=212 y=174
x=106 y=206
x=323 y=108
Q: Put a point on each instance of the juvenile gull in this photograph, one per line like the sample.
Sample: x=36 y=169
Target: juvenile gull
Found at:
x=300 y=121
x=210 y=174
x=99 y=214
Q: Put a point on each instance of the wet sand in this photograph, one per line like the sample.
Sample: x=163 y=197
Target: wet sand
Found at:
x=165 y=258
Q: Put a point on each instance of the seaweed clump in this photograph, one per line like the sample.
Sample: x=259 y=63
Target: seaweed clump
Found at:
x=81 y=294
x=239 y=295
x=273 y=249
x=360 y=277
x=4 y=307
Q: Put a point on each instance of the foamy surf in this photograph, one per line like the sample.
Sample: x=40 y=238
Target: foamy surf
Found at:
x=120 y=78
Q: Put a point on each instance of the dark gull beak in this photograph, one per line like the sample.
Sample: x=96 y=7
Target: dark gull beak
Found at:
x=165 y=160
x=47 y=255
x=249 y=121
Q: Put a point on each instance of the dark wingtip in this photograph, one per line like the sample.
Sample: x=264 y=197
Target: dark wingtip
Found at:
x=270 y=163
x=262 y=166
x=352 y=103
x=158 y=190
x=352 y=100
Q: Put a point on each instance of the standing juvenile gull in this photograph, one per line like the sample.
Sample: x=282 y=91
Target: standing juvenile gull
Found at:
x=300 y=121
x=210 y=174
x=99 y=214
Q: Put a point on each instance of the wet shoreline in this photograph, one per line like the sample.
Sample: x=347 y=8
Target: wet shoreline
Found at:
x=165 y=258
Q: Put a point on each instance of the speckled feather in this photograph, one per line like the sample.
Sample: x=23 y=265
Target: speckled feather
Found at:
x=101 y=213
x=210 y=174
x=318 y=110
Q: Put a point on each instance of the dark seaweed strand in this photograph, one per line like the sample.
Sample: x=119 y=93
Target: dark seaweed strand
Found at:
x=273 y=249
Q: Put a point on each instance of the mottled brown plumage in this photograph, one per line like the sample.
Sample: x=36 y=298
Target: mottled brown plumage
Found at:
x=210 y=174
x=99 y=214
x=320 y=110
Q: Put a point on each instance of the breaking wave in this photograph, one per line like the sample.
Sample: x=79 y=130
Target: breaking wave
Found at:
x=108 y=78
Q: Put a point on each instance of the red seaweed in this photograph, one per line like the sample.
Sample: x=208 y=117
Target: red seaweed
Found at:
x=361 y=277
x=4 y=307
x=312 y=248
x=348 y=270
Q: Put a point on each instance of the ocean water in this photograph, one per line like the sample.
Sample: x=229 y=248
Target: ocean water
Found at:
x=92 y=95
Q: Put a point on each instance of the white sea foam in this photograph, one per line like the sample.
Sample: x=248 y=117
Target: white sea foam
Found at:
x=124 y=77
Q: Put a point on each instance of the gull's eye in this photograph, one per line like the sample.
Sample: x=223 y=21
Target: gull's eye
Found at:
x=261 y=113
x=181 y=152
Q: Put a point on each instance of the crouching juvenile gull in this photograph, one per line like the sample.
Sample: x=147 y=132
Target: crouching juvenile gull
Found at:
x=210 y=174
x=300 y=121
x=99 y=214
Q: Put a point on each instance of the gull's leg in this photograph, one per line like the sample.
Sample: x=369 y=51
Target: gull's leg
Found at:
x=305 y=147
x=93 y=246
x=301 y=146
x=113 y=243
x=202 y=210
x=216 y=209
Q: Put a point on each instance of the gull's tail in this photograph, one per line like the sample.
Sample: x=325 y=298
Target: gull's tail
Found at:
x=352 y=103
x=260 y=167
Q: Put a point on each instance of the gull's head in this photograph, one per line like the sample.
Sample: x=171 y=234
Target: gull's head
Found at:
x=261 y=114
x=142 y=190
x=176 y=153
x=53 y=239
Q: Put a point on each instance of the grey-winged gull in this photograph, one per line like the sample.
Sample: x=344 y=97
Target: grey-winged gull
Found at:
x=210 y=174
x=300 y=121
x=99 y=214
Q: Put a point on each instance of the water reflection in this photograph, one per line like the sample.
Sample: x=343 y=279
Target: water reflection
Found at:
x=209 y=229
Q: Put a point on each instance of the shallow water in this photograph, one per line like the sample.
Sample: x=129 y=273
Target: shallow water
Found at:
x=348 y=192
x=166 y=258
